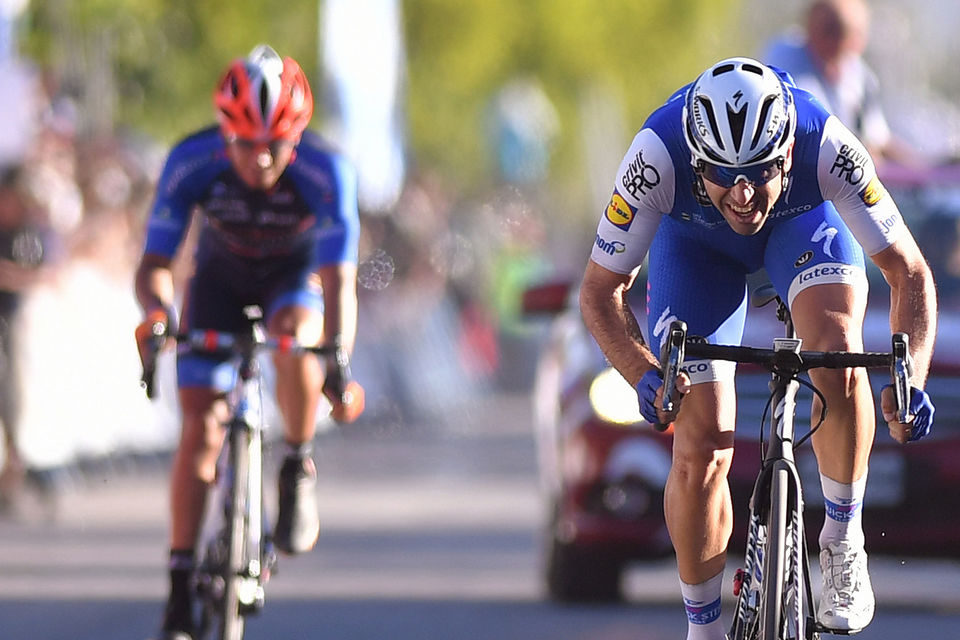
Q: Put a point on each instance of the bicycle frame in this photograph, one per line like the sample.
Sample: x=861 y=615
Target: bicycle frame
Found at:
x=783 y=594
x=238 y=557
x=775 y=597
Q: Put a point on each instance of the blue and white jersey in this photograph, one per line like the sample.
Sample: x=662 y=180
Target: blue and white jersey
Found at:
x=656 y=179
x=312 y=208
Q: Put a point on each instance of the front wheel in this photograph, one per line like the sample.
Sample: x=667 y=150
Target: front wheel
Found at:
x=235 y=569
x=784 y=564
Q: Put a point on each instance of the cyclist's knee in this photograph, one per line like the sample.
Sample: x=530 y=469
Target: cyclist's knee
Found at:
x=204 y=413
x=704 y=456
x=301 y=322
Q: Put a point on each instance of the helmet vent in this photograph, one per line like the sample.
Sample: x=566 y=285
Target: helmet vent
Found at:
x=264 y=99
x=762 y=120
x=752 y=68
x=722 y=68
x=737 y=121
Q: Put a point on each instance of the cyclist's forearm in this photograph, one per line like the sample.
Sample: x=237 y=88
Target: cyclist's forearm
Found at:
x=913 y=310
x=340 y=304
x=154 y=283
x=608 y=317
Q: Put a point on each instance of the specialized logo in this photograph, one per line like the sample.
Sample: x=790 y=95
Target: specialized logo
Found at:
x=663 y=323
x=639 y=176
x=826 y=233
x=803 y=259
x=849 y=164
x=873 y=192
x=698 y=118
x=619 y=212
x=610 y=247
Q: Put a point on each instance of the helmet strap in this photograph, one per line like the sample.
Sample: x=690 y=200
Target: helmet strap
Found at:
x=700 y=191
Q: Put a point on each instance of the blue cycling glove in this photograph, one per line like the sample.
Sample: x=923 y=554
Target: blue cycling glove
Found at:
x=922 y=410
x=647 y=395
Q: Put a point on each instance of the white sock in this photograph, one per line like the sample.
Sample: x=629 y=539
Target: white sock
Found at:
x=844 y=508
x=702 y=603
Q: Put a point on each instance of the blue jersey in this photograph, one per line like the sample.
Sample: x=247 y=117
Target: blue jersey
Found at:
x=312 y=209
x=656 y=178
x=833 y=206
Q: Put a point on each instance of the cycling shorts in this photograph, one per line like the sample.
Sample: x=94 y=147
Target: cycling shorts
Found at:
x=699 y=275
x=216 y=299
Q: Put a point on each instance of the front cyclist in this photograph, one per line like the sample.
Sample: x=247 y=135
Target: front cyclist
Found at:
x=738 y=171
x=279 y=229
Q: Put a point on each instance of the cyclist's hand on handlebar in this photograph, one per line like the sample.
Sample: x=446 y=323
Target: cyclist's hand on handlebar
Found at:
x=921 y=408
x=151 y=334
x=650 y=395
x=346 y=396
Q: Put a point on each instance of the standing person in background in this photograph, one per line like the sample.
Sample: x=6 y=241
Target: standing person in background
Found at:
x=279 y=213
x=827 y=60
x=24 y=248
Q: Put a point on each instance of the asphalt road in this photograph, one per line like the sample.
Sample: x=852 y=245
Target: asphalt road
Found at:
x=430 y=532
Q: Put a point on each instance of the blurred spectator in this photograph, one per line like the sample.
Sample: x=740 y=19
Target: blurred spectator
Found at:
x=524 y=125
x=25 y=247
x=827 y=60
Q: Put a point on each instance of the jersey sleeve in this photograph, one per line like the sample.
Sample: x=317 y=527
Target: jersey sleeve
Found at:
x=848 y=178
x=338 y=238
x=643 y=192
x=172 y=206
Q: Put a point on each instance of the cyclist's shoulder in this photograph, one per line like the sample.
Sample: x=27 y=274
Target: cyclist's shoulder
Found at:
x=199 y=154
x=206 y=142
x=318 y=159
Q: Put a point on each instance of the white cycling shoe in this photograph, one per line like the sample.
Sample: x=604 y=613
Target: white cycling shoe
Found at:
x=846 y=602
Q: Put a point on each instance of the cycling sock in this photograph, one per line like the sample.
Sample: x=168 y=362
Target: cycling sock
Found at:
x=702 y=603
x=844 y=507
x=181 y=559
x=178 y=615
x=181 y=570
x=301 y=450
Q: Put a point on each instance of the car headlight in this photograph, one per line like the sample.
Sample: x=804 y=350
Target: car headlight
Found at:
x=613 y=399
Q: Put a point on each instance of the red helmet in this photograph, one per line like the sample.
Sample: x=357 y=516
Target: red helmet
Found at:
x=264 y=97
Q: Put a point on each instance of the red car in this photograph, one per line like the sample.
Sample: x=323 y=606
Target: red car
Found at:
x=603 y=468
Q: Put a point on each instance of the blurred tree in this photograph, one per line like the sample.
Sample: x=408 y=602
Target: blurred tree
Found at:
x=152 y=64
x=461 y=52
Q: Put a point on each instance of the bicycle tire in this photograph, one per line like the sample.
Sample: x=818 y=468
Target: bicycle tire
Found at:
x=775 y=557
x=232 y=620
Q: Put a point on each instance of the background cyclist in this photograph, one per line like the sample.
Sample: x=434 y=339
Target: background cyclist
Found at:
x=279 y=229
x=737 y=171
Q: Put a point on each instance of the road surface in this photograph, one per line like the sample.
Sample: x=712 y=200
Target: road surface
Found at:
x=430 y=533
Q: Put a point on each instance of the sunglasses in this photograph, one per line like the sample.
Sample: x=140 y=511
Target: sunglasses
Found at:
x=273 y=146
x=726 y=177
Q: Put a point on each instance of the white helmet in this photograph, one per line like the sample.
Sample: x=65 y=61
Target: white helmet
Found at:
x=738 y=113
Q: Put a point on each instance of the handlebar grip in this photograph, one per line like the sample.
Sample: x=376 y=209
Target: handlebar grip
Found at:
x=146 y=381
x=671 y=359
x=900 y=371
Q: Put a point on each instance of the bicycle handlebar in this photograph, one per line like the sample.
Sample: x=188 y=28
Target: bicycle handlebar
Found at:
x=678 y=346
x=223 y=341
x=211 y=341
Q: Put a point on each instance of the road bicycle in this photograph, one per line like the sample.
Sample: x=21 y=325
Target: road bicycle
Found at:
x=236 y=551
x=773 y=588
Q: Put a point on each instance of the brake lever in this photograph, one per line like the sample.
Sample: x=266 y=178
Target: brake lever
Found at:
x=671 y=359
x=901 y=369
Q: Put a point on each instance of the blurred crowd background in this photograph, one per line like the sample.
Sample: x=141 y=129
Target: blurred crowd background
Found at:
x=487 y=134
